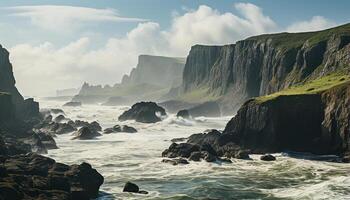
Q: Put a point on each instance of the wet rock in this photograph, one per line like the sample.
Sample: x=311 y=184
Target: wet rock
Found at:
x=196 y=156
x=47 y=140
x=59 y=118
x=118 y=128
x=145 y=112
x=95 y=126
x=183 y=113
x=37 y=177
x=73 y=104
x=64 y=128
x=267 y=157
x=85 y=133
x=242 y=155
x=180 y=150
x=133 y=188
x=36 y=144
x=207 y=109
x=176 y=161
x=56 y=111
x=209 y=157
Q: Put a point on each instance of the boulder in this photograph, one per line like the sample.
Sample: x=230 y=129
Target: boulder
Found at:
x=133 y=188
x=267 y=157
x=73 y=104
x=37 y=177
x=176 y=161
x=118 y=128
x=184 y=114
x=59 y=118
x=180 y=150
x=85 y=133
x=145 y=112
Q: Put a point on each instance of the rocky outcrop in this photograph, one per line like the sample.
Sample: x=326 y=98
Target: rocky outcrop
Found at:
x=317 y=123
x=145 y=112
x=85 y=133
x=33 y=176
x=184 y=114
x=264 y=64
x=156 y=70
x=118 y=129
x=148 y=81
x=24 y=109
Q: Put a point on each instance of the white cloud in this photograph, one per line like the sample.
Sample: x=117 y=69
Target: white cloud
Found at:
x=314 y=24
x=208 y=26
x=42 y=69
x=64 y=18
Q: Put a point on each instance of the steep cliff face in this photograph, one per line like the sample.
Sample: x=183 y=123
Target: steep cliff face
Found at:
x=24 y=109
x=265 y=64
x=156 y=70
x=7 y=109
x=150 y=80
x=316 y=122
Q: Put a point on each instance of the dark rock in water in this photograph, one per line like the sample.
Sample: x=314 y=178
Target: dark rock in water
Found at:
x=242 y=155
x=118 y=128
x=64 y=128
x=268 y=157
x=184 y=114
x=207 y=109
x=79 y=123
x=95 y=126
x=36 y=144
x=133 y=188
x=47 y=140
x=73 y=104
x=196 y=156
x=56 y=111
x=176 y=161
x=37 y=177
x=180 y=150
x=209 y=157
x=145 y=112
x=85 y=133
x=59 y=118
x=128 y=129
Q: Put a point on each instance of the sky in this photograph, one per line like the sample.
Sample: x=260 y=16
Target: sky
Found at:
x=61 y=44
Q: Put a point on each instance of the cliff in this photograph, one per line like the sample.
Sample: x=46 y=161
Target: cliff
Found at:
x=156 y=70
x=23 y=109
x=150 y=80
x=262 y=65
x=312 y=117
x=298 y=119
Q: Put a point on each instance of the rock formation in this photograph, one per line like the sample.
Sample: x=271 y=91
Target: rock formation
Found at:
x=149 y=80
x=145 y=112
x=24 y=109
x=261 y=65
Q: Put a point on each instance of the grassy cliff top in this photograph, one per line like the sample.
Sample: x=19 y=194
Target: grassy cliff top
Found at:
x=310 y=87
x=292 y=40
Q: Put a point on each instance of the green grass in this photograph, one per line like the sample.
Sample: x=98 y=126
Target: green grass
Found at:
x=310 y=87
x=286 y=41
x=202 y=94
